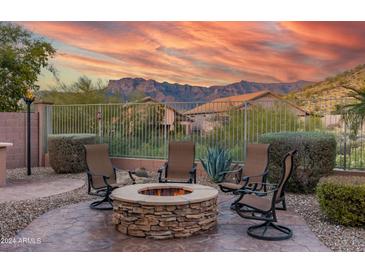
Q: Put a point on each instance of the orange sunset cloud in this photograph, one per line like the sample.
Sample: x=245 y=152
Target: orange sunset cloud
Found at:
x=204 y=53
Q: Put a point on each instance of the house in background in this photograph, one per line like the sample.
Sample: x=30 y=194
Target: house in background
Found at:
x=170 y=117
x=210 y=115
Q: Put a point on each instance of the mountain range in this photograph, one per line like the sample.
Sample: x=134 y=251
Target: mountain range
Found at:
x=333 y=87
x=128 y=88
x=313 y=96
x=325 y=95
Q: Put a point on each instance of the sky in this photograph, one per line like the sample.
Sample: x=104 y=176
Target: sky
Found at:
x=202 y=53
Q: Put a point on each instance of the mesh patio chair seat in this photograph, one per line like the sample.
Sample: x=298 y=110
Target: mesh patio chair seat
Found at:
x=101 y=175
x=180 y=166
x=251 y=205
x=253 y=173
x=259 y=202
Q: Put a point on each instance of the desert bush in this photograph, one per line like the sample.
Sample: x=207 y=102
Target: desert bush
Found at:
x=67 y=152
x=342 y=199
x=256 y=120
x=315 y=158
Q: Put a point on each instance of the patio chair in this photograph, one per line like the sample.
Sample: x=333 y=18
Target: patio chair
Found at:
x=253 y=173
x=180 y=166
x=101 y=175
x=251 y=205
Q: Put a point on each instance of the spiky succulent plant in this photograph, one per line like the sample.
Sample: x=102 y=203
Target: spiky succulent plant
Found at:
x=216 y=162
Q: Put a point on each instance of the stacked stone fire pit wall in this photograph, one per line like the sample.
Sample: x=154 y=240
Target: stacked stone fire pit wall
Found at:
x=165 y=221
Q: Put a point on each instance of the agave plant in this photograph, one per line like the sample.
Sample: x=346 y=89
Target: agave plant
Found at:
x=217 y=161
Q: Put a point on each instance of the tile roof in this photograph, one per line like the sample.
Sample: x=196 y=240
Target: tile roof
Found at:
x=227 y=103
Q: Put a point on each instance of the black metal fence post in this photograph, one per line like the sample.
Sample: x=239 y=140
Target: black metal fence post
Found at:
x=29 y=171
x=28 y=99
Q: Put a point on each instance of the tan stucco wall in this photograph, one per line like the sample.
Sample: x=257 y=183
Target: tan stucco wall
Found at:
x=13 y=130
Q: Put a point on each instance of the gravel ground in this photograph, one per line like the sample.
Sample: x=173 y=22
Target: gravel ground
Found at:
x=336 y=237
x=19 y=174
x=17 y=215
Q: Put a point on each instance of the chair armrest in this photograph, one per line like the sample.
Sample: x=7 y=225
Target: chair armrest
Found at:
x=193 y=169
x=130 y=173
x=99 y=175
x=259 y=193
x=192 y=173
x=161 y=169
x=105 y=178
x=235 y=171
x=247 y=178
x=115 y=171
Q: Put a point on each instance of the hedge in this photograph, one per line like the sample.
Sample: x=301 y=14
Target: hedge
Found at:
x=342 y=199
x=67 y=152
x=315 y=158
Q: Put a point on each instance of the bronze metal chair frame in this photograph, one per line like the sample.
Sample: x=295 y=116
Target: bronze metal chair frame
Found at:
x=163 y=173
x=164 y=170
x=103 y=191
x=238 y=173
x=269 y=217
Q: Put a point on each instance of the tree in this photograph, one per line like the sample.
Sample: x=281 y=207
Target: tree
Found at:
x=82 y=85
x=136 y=95
x=83 y=91
x=353 y=114
x=356 y=108
x=22 y=56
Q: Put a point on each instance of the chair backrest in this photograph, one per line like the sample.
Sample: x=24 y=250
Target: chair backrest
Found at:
x=288 y=164
x=180 y=159
x=257 y=160
x=98 y=162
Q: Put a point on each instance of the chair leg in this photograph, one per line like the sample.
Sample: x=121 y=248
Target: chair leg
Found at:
x=233 y=205
x=283 y=205
x=286 y=232
x=88 y=188
x=107 y=199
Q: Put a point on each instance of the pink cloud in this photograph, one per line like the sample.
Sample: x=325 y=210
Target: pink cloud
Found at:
x=207 y=53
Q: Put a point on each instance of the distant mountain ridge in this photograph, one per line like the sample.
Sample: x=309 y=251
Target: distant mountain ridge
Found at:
x=325 y=95
x=332 y=87
x=167 y=92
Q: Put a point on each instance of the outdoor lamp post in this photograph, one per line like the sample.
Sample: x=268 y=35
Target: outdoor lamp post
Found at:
x=28 y=99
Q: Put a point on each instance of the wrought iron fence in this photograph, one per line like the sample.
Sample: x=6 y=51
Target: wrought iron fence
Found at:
x=144 y=129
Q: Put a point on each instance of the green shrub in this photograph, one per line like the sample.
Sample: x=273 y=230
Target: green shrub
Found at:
x=67 y=152
x=342 y=199
x=217 y=161
x=315 y=158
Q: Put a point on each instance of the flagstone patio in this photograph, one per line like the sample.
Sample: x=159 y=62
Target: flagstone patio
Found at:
x=78 y=228
x=18 y=190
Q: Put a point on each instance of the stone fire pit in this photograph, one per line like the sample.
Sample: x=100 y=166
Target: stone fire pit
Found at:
x=164 y=211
